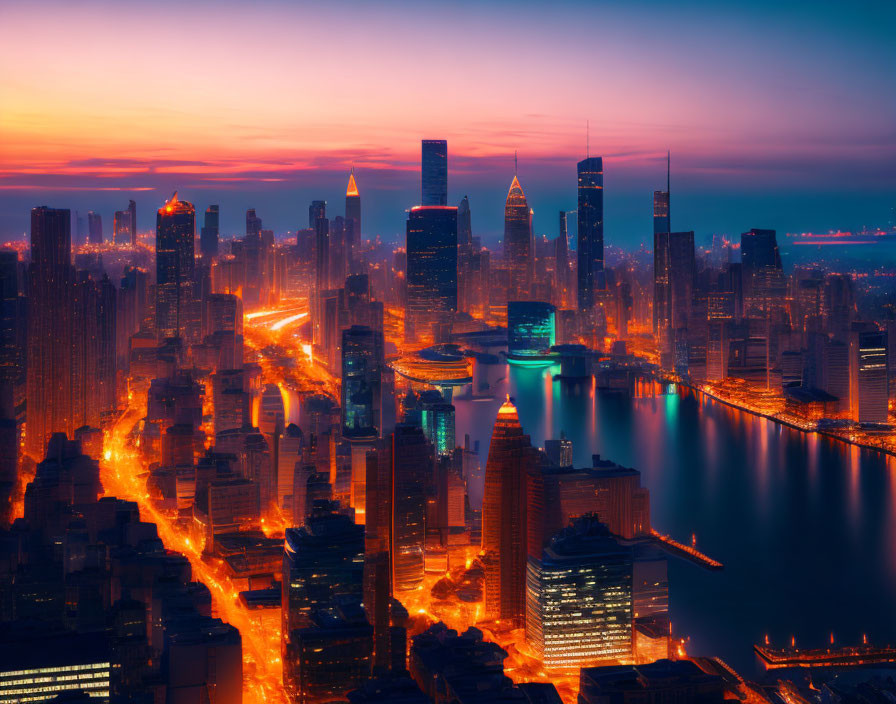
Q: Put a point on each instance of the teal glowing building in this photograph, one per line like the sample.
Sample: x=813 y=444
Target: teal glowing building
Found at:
x=530 y=332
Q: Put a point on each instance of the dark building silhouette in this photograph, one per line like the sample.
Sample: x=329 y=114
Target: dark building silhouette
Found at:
x=434 y=190
x=50 y=311
x=661 y=681
x=673 y=284
x=591 y=230
x=175 y=269
x=431 y=267
x=94 y=227
x=208 y=236
x=763 y=278
x=511 y=462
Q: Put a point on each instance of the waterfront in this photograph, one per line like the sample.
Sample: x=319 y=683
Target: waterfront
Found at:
x=805 y=525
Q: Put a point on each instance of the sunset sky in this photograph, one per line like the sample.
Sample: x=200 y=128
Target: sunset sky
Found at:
x=775 y=118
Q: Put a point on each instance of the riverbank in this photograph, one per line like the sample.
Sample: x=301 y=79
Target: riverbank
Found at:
x=783 y=421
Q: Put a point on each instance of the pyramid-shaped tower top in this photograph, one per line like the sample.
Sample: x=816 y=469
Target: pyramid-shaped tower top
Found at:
x=507 y=411
x=352 y=189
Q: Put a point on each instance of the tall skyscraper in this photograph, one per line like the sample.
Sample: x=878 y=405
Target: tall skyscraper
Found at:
x=49 y=374
x=322 y=278
x=518 y=244
x=511 y=462
x=175 y=267
x=431 y=267
x=132 y=209
x=316 y=211
x=662 y=217
x=208 y=236
x=352 y=222
x=763 y=277
x=591 y=230
x=124 y=225
x=253 y=223
x=434 y=172
x=579 y=598
x=94 y=227
x=362 y=386
x=872 y=377
x=673 y=284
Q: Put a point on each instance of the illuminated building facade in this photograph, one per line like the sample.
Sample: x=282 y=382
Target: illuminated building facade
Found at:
x=871 y=378
x=579 y=598
x=409 y=457
x=591 y=231
x=50 y=315
x=437 y=421
x=530 y=329
x=175 y=268
x=674 y=273
x=434 y=172
x=124 y=225
x=511 y=462
x=362 y=387
x=518 y=246
x=352 y=222
x=39 y=670
x=431 y=267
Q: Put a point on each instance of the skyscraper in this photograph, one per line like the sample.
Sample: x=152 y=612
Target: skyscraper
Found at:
x=94 y=227
x=431 y=267
x=673 y=284
x=662 y=217
x=352 y=222
x=49 y=390
x=591 y=230
x=208 y=237
x=132 y=209
x=175 y=265
x=408 y=457
x=434 y=189
x=511 y=462
x=362 y=392
x=763 y=277
x=253 y=223
x=579 y=598
x=872 y=392
x=518 y=242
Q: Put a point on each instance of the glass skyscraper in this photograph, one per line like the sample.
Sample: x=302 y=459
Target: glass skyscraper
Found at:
x=431 y=267
x=518 y=244
x=591 y=230
x=362 y=369
x=434 y=190
x=208 y=237
x=175 y=263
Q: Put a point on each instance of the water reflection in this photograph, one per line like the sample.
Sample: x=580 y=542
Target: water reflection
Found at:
x=806 y=526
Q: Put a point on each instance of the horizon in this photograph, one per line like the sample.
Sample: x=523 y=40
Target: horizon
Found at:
x=777 y=119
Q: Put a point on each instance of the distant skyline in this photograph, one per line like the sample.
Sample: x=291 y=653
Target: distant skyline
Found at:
x=778 y=118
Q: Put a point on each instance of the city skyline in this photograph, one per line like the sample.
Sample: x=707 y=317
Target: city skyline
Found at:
x=750 y=130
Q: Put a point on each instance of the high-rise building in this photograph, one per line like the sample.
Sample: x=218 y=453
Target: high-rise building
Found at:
x=323 y=563
x=660 y=681
x=434 y=190
x=121 y=227
x=511 y=462
x=431 y=267
x=132 y=209
x=253 y=223
x=316 y=211
x=559 y=451
x=175 y=267
x=763 y=278
x=49 y=373
x=438 y=422
x=872 y=377
x=94 y=227
x=591 y=230
x=674 y=273
x=208 y=237
x=362 y=387
x=352 y=222
x=530 y=330
x=579 y=598
x=662 y=216
x=322 y=278
x=518 y=245
x=408 y=458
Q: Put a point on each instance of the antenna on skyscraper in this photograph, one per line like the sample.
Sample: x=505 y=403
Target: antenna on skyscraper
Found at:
x=514 y=163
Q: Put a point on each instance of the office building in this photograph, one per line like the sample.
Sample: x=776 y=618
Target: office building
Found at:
x=352 y=222
x=872 y=377
x=661 y=681
x=559 y=451
x=579 y=598
x=591 y=231
x=208 y=236
x=437 y=421
x=431 y=268
x=50 y=313
x=94 y=227
x=362 y=382
x=434 y=172
x=530 y=330
x=763 y=278
x=175 y=269
x=518 y=245
x=124 y=228
x=511 y=462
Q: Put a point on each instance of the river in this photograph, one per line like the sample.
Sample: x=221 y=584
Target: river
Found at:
x=805 y=525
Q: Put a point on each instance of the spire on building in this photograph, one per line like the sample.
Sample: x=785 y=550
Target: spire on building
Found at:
x=352 y=189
